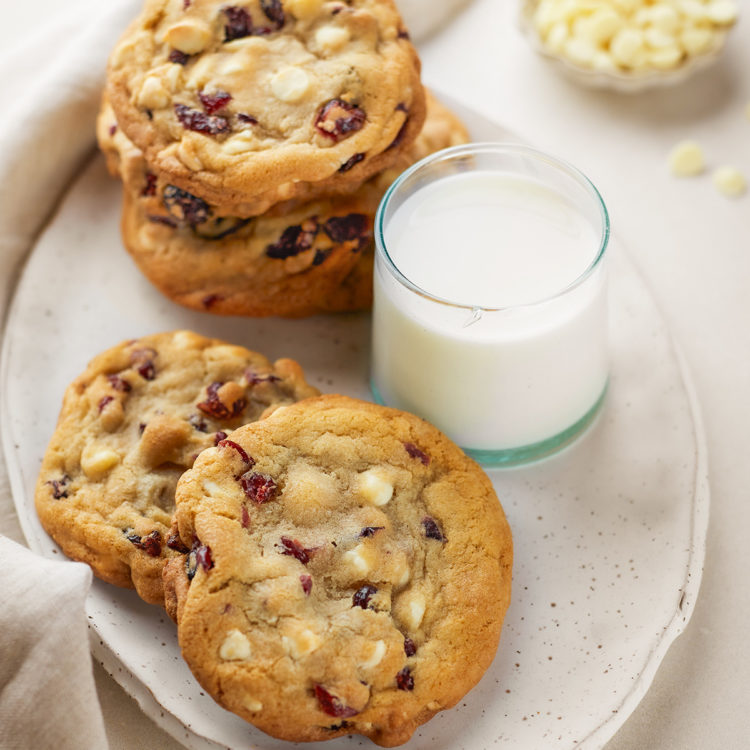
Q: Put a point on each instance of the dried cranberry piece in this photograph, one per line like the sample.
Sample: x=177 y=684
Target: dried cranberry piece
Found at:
x=370 y=530
x=403 y=34
x=410 y=647
x=186 y=4
x=404 y=679
x=199 y=555
x=200 y=122
x=112 y=129
x=166 y=220
x=363 y=595
x=320 y=256
x=59 y=486
x=432 y=530
x=150 y=544
x=245 y=518
x=274 y=12
x=210 y=300
x=150 y=187
x=224 y=443
x=219 y=436
x=260 y=488
x=119 y=384
x=338 y=119
x=399 y=136
x=246 y=118
x=239 y=23
x=143 y=362
x=104 y=401
x=216 y=408
x=306 y=582
x=332 y=705
x=294 y=240
x=174 y=542
x=178 y=57
x=185 y=206
x=415 y=452
x=346 y=228
x=350 y=162
x=253 y=378
x=293 y=548
x=198 y=423
x=214 y=102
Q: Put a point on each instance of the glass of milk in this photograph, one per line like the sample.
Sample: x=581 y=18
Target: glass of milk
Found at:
x=490 y=312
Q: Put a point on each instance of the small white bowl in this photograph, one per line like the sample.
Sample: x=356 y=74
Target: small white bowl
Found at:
x=623 y=81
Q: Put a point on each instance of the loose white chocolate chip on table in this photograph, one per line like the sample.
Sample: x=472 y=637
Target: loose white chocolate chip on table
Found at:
x=290 y=84
x=632 y=35
x=374 y=487
x=235 y=647
x=686 y=159
x=96 y=461
x=729 y=181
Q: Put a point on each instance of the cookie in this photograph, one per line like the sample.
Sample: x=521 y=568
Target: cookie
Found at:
x=298 y=259
x=349 y=572
x=250 y=104
x=129 y=426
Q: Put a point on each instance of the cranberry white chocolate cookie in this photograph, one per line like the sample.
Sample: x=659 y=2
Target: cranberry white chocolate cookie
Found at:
x=298 y=259
x=129 y=426
x=254 y=102
x=349 y=572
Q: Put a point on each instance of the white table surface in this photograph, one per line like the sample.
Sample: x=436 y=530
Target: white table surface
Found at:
x=694 y=248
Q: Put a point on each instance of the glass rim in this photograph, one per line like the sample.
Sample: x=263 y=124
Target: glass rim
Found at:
x=447 y=154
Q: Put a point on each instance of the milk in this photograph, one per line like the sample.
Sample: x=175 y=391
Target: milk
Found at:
x=493 y=323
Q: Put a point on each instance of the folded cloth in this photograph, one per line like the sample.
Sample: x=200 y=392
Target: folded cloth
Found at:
x=47 y=693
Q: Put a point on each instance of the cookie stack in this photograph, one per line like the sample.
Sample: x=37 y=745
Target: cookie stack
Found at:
x=255 y=141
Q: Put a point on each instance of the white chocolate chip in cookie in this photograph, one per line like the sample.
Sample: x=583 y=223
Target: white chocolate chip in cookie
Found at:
x=729 y=181
x=377 y=652
x=253 y=705
x=96 y=460
x=236 y=646
x=299 y=641
x=290 y=84
x=153 y=95
x=189 y=36
x=374 y=487
x=359 y=559
x=331 y=38
x=412 y=608
x=686 y=159
x=186 y=154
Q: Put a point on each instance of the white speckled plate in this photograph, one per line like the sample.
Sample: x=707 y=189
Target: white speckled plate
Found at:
x=609 y=535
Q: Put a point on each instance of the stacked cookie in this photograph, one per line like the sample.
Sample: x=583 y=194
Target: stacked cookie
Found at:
x=254 y=142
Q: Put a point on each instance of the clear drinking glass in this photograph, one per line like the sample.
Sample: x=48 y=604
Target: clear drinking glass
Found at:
x=508 y=378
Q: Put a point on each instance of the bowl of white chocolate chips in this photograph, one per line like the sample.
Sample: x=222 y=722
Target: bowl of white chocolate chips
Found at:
x=629 y=45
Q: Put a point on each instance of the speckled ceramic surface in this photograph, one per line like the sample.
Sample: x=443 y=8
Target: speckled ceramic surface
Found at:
x=609 y=535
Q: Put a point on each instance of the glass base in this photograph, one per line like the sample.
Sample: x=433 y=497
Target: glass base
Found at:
x=510 y=457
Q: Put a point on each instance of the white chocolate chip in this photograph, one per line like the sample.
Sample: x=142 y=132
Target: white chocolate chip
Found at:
x=404 y=574
x=299 y=642
x=202 y=72
x=235 y=647
x=153 y=95
x=557 y=36
x=174 y=77
x=97 y=461
x=359 y=560
x=657 y=39
x=626 y=46
x=376 y=656
x=696 y=41
x=686 y=159
x=415 y=610
x=665 y=18
x=290 y=84
x=722 y=12
x=331 y=38
x=665 y=58
x=186 y=154
x=253 y=705
x=729 y=181
x=581 y=51
x=603 y=62
x=374 y=487
x=303 y=9
x=189 y=36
